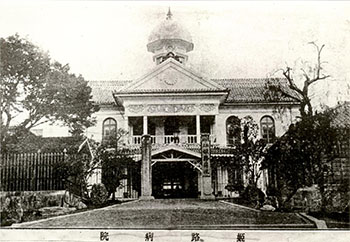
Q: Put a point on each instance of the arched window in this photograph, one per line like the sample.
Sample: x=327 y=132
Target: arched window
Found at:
x=267 y=125
x=233 y=131
x=108 y=128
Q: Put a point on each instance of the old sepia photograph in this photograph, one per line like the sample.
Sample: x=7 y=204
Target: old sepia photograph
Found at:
x=175 y=121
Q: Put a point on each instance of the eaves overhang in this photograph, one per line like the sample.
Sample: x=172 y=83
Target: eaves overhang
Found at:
x=262 y=102
x=118 y=96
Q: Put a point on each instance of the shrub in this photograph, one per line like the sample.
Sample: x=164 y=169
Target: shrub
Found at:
x=337 y=198
x=99 y=194
x=75 y=171
x=235 y=187
x=12 y=211
x=253 y=195
x=271 y=200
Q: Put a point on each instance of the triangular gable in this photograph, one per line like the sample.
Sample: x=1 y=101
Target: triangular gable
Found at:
x=85 y=145
x=171 y=75
x=176 y=148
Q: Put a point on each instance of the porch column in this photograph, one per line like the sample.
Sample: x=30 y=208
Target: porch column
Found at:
x=127 y=128
x=198 y=128
x=215 y=129
x=145 y=125
x=146 y=169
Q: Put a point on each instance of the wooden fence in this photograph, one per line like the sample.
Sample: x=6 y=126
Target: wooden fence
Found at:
x=30 y=172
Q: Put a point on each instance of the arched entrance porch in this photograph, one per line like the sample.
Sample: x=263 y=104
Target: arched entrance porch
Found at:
x=175 y=173
x=174 y=180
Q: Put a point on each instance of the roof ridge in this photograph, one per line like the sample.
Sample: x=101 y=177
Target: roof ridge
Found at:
x=126 y=80
x=246 y=78
x=169 y=90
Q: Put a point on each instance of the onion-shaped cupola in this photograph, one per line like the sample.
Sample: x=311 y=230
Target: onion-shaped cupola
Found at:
x=169 y=40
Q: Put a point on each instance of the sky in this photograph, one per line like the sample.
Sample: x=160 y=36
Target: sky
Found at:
x=106 y=40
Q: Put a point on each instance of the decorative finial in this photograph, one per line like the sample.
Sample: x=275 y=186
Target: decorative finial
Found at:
x=169 y=14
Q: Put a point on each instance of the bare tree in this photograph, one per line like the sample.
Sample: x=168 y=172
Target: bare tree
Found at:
x=277 y=88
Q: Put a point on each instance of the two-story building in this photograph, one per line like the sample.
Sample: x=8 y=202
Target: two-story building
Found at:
x=175 y=106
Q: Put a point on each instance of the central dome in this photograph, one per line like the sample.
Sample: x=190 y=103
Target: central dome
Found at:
x=169 y=29
x=169 y=33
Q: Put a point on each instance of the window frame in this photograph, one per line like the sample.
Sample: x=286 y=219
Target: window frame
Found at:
x=109 y=125
x=235 y=139
x=270 y=126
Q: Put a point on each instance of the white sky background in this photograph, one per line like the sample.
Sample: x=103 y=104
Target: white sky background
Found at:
x=106 y=40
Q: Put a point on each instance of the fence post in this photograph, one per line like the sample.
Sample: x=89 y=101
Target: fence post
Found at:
x=18 y=180
x=39 y=175
x=45 y=170
x=33 y=170
x=16 y=173
x=8 y=173
x=49 y=173
x=54 y=176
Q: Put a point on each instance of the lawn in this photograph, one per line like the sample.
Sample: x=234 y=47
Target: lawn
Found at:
x=172 y=214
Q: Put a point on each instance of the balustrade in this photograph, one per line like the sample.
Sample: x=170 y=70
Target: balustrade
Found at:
x=170 y=139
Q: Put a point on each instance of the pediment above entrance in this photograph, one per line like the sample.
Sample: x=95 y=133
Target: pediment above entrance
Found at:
x=174 y=153
x=171 y=75
x=171 y=89
x=171 y=149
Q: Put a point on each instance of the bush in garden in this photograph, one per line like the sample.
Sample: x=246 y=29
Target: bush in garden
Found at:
x=75 y=171
x=253 y=195
x=12 y=211
x=337 y=199
x=237 y=187
x=99 y=194
x=305 y=156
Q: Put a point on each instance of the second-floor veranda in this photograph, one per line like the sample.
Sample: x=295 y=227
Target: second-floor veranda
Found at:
x=165 y=130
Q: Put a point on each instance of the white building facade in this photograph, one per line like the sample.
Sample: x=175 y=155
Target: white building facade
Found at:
x=175 y=106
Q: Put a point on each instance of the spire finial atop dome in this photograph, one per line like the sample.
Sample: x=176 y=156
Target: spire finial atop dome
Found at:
x=169 y=14
x=169 y=39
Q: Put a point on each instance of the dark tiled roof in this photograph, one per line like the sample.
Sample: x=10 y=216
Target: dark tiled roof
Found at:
x=240 y=90
x=250 y=90
x=342 y=118
x=102 y=90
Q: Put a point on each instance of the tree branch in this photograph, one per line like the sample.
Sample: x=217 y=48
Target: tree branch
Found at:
x=318 y=65
x=290 y=80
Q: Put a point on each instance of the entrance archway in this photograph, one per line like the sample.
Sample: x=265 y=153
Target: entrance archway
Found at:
x=175 y=172
x=174 y=180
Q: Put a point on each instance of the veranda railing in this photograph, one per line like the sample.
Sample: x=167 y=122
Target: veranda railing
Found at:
x=168 y=139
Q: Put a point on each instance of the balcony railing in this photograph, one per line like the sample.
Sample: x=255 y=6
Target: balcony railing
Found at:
x=170 y=139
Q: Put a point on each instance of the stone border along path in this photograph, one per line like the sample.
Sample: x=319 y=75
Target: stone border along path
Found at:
x=240 y=206
x=174 y=214
x=320 y=224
